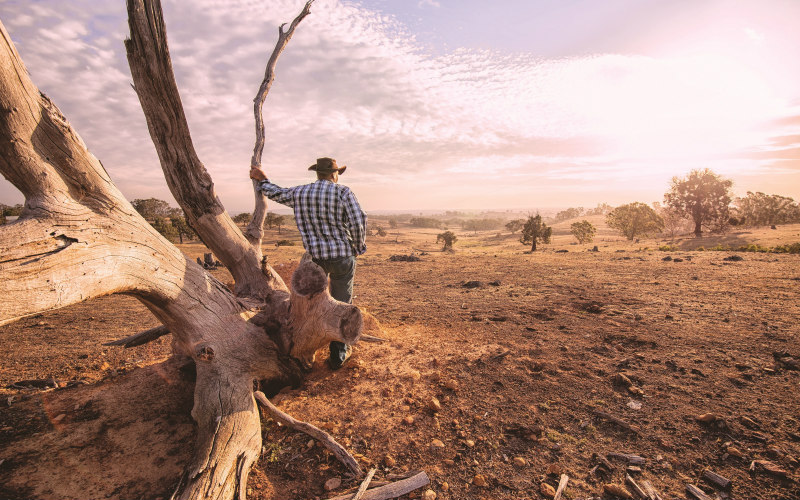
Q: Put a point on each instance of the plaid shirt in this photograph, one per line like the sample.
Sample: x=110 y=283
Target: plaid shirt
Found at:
x=328 y=216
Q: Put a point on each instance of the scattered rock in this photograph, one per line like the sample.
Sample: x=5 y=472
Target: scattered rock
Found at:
x=667 y=258
x=445 y=486
x=333 y=483
x=472 y=284
x=519 y=462
x=734 y=258
x=479 y=481
x=707 y=418
x=622 y=379
x=435 y=405
x=451 y=384
x=768 y=467
x=734 y=452
x=59 y=418
x=470 y=443
x=437 y=444
x=404 y=258
x=547 y=490
x=554 y=470
x=389 y=461
x=408 y=420
x=429 y=495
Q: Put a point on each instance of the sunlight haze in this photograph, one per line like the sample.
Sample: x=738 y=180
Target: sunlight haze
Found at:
x=443 y=104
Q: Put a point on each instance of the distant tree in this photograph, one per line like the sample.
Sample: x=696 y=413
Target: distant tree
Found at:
x=583 y=231
x=429 y=222
x=448 y=238
x=243 y=218
x=278 y=220
x=10 y=211
x=600 y=209
x=570 y=213
x=380 y=231
x=759 y=209
x=535 y=230
x=152 y=208
x=392 y=223
x=675 y=223
x=515 y=225
x=182 y=228
x=164 y=226
x=703 y=196
x=635 y=219
x=482 y=224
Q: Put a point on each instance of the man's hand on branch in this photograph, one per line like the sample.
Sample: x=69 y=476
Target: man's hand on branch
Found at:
x=257 y=174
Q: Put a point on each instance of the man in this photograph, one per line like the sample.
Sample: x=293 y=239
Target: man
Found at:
x=333 y=228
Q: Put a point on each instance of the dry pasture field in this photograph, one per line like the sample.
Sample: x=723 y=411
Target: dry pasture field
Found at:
x=503 y=370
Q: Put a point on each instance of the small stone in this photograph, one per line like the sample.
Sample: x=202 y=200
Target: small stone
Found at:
x=554 y=470
x=520 y=462
x=310 y=443
x=622 y=379
x=449 y=462
x=429 y=495
x=436 y=443
x=415 y=375
x=333 y=483
x=408 y=420
x=389 y=461
x=105 y=366
x=434 y=405
x=480 y=481
x=59 y=418
x=635 y=390
x=470 y=443
x=707 y=418
x=547 y=490
x=445 y=486
x=451 y=384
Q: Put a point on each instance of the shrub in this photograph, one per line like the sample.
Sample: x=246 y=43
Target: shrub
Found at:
x=285 y=243
x=669 y=248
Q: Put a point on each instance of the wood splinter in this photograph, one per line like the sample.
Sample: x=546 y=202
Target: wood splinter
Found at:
x=323 y=437
x=562 y=484
x=392 y=490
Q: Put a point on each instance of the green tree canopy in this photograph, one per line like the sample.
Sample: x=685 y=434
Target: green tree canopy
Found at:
x=635 y=219
x=515 y=225
x=759 y=209
x=448 y=238
x=583 y=231
x=535 y=230
x=151 y=208
x=703 y=196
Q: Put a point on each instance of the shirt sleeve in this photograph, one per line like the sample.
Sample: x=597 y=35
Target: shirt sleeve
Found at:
x=284 y=196
x=357 y=221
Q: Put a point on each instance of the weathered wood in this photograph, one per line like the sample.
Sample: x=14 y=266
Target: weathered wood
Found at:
x=697 y=492
x=618 y=421
x=651 y=492
x=562 y=484
x=364 y=485
x=255 y=229
x=715 y=479
x=635 y=487
x=630 y=458
x=323 y=437
x=140 y=338
x=392 y=490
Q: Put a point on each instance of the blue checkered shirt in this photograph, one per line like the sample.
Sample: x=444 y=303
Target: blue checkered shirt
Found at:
x=328 y=216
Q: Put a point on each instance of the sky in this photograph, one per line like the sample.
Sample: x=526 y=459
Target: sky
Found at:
x=443 y=104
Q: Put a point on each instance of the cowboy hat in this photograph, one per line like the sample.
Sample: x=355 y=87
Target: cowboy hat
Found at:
x=327 y=166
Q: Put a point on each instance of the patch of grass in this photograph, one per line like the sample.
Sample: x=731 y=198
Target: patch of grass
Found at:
x=793 y=248
x=271 y=452
x=284 y=243
x=558 y=437
x=668 y=248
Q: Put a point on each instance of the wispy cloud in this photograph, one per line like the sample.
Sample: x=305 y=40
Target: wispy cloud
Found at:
x=356 y=85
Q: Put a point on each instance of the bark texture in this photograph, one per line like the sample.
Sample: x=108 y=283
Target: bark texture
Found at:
x=78 y=238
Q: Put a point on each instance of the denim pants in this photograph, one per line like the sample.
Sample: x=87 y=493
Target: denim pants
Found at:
x=341 y=271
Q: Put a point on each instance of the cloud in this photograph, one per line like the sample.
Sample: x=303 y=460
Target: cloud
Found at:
x=356 y=85
x=428 y=3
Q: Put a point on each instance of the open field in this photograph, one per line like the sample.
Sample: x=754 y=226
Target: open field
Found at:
x=522 y=351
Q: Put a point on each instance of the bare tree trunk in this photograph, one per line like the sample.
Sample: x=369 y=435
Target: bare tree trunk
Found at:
x=78 y=238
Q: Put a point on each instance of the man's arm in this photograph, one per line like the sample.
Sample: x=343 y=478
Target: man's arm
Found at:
x=272 y=191
x=358 y=222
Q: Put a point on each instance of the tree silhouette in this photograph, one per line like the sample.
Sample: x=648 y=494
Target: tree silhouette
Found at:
x=583 y=231
x=448 y=238
x=704 y=197
x=635 y=219
x=535 y=230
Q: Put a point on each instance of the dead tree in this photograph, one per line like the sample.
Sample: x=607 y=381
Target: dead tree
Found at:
x=79 y=238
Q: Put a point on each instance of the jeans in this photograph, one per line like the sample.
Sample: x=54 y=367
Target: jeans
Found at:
x=341 y=271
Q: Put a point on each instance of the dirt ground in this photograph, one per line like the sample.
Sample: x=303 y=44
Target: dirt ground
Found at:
x=522 y=352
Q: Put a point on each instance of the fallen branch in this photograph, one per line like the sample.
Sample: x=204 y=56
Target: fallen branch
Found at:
x=392 y=490
x=635 y=487
x=371 y=338
x=363 y=488
x=323 y=437
x=562 y=484
x=141 y=337
x=652 y=494
x=616 y=420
